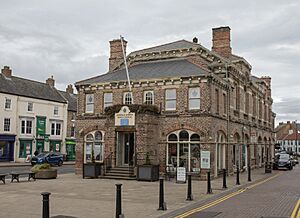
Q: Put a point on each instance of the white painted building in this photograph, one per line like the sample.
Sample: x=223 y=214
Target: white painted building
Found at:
x=33 y=117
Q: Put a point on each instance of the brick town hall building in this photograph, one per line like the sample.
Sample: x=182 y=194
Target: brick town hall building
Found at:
x=185 y=99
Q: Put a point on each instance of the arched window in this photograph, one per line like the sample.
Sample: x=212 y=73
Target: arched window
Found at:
x=183 y=136
x=148 y=97
x=127 y=98
x=183 y=150
x=94 y=147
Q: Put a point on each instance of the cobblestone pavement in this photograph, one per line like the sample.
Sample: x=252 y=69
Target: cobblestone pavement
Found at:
x=73 y=196
x=276 y=197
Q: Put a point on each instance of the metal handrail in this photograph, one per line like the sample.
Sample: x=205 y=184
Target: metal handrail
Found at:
x=107 y=162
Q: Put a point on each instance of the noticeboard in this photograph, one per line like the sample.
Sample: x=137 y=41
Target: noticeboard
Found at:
x=181 y=175
x=205 y=159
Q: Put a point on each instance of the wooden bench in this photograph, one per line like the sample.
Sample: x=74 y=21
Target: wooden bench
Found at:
x=15 y=175
x=2 y=177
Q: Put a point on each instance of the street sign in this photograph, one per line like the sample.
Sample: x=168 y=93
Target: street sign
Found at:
x=181 y=175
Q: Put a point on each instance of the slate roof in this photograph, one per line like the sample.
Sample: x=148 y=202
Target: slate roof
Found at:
x=29 y=88
x=181 y=44
x=72 y=100
x=172 y=68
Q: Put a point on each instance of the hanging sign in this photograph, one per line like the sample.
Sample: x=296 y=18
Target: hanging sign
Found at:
x=40 y=127
x=181 y=175
x=124 y=117
x=205 y=159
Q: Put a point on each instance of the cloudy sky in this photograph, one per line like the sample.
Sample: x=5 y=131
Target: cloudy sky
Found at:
x=69 y=39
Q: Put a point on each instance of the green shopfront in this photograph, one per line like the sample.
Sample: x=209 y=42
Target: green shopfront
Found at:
x=70 y=147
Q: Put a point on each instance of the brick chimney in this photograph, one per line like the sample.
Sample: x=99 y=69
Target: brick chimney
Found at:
x=6 y=71
x=116 y=53
x=221 y=41
x=50 y=81
x=70 y=89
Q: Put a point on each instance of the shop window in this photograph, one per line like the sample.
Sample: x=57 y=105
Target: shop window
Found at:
x=25 y=148
x=148 y=97
x=89 y=103
x=7 y=103
x=194 y=98
x=6 y=124
x=56 y=128
x=108 y=99
x=26 y=126
x=94 y=147
x=55 y=112
x=170 y=99
x=127 y=98
x=183 y=151
x=30 y=107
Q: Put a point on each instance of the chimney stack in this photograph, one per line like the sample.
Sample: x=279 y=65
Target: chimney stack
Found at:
x=50 y=81
x=6 y=71
x=221 y=41
x=70 y=89
x=116 y=53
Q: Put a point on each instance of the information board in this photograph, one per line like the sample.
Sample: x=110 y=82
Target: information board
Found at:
x=205 y=159
x=181 y=174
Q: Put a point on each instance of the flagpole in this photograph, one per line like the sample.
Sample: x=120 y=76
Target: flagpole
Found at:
x=125 y=62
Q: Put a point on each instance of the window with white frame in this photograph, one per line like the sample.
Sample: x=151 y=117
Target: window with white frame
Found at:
x=94 y=146
x=148 y=97
x=89 y=103
x=30 y=107
x=108 y=99
x=127 y=98
x=170 y=99
x=56 y=128
x=26 y=126
x=7 y=103
x=6 y=124
x=194 y=98
x=55 y=112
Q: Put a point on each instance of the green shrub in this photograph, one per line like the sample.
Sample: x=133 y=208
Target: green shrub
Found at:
x=39 y=167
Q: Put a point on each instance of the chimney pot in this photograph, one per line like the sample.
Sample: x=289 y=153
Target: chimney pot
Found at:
x=6 y=71
x=221 y=41
x=50 y=81
x=116 y=53
x=70 y=89
x=195 y=40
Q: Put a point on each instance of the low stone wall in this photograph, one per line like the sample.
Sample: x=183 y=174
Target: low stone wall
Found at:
x=46 y=174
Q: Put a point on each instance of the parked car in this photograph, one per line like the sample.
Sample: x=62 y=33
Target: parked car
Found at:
x=295 y=159
x=52 y=158
x=282 y=160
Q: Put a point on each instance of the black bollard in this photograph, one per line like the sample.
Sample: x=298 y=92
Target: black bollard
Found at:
x=224 y=179
x=45 y=204
x=118 y=201
x=237 y=175
x=162 y=204
x=189 y=190
x=209 y=189
x=249 y=173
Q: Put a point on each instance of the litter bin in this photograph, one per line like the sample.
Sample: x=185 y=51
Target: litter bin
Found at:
x=268 y=167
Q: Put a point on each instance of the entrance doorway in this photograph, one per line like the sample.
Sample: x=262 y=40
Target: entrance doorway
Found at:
x=125 y=149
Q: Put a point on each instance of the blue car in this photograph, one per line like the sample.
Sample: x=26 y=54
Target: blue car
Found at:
x=52 y=158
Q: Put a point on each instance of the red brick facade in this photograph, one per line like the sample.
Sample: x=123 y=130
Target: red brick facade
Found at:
x=235 y=110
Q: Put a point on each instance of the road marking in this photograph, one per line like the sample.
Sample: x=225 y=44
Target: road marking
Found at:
x=296 y=211
x=224 y=198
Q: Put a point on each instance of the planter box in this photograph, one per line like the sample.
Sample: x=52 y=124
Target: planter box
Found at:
x=92 y=170
x=46 y=174
x=148 y=172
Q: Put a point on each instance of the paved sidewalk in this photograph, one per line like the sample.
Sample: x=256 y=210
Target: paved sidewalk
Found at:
x=73 y=196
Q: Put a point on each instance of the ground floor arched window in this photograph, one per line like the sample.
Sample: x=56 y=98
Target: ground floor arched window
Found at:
x=94 y=147
x=183 y=150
